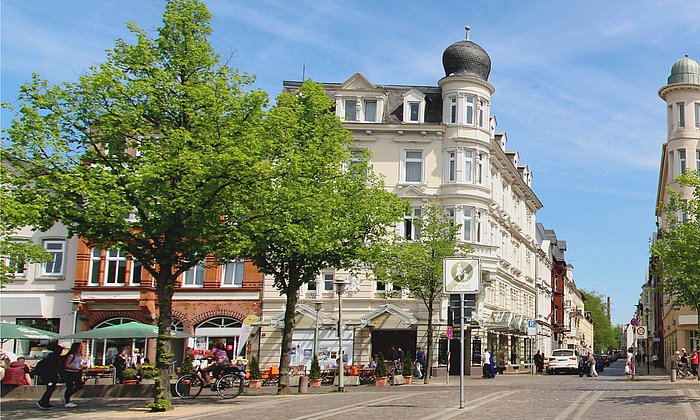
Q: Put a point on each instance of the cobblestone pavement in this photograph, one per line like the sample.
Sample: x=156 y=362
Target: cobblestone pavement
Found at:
x=505 y=397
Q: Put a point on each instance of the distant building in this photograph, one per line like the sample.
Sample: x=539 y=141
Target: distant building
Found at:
x=680 y=153
x=41 y=295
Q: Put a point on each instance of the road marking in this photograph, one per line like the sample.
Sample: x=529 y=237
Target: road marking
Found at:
x=476 y=403
x=570 y=409
x=353 y=407
x=589 y=402
x=689 y=411
x=243 y=406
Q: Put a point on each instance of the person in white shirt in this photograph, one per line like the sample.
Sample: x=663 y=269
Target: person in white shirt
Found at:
x=487 y=364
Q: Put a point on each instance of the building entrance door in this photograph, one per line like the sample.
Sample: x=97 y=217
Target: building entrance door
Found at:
x=387 y=343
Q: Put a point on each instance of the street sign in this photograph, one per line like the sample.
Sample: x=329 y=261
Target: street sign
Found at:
x=640 y=332
x=449 y=332
x=531 y=327
x=634 y=322
x=462 y=275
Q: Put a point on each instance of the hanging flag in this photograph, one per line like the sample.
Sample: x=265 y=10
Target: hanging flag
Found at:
x=550 y=314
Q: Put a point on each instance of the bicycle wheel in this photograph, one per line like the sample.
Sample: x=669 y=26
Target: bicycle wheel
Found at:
x=229 y=386
x=188 y=386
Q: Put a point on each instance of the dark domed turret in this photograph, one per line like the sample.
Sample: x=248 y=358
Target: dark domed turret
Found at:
x=685 y=70
x=466 y=58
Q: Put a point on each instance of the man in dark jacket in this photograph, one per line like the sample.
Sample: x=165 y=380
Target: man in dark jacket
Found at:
x=50 y=375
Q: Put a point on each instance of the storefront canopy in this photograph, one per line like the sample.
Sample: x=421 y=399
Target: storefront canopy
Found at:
x=20 y=332
x=128 y=330
x=506 y=321
x=388 y=309
x=307 y=311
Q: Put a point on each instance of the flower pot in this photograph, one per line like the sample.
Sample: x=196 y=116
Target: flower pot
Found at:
x=380 y=382
x=408 y=379
x=130 y=381
x=255 y=383
x=315 y=383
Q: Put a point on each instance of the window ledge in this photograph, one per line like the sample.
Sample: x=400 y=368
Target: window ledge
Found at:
x=49 y=278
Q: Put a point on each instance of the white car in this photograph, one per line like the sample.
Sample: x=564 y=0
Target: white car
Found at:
x=562 y=360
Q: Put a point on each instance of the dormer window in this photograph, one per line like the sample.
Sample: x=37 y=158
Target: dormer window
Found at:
x=370 y=111
x=350 y=110
x=414 y=107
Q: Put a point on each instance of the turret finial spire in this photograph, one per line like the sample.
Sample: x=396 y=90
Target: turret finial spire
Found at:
x=468 y=28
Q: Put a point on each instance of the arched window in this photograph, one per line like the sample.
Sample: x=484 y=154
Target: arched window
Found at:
x=115 y=321
x=176 y=325
x=220 y=328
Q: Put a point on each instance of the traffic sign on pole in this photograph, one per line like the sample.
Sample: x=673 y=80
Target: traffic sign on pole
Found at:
x=449 y=332
x=531 y=327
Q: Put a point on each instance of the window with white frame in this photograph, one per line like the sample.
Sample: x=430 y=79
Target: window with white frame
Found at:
x=467 y=224
x=328 y=282
x=451 y=167
x=681 y=161
x=697 y=161
x=350 y=110
x=469 y=110
x=232 y=274
x=479 y=169
x=17 y=264
x=697 y=114
x=370 y=107
x=481 y=113
x=56 y=250
x=311 y=286
x=95 y=266
x=468 y=166
x=135 y=273
x=680 y=113
x=194 y=277
x=413 y=164
x=414 y=111
x=450 y=214
x=115 y=267
x=411 y=230
x=453 y=111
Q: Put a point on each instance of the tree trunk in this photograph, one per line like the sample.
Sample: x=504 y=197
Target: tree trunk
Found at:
x=289 y=321
x=162 y=400
x=429 y=350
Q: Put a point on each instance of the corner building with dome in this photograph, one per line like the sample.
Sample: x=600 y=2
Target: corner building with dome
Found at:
x=435 y=144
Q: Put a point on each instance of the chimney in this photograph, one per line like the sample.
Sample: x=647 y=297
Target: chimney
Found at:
x=608 y=308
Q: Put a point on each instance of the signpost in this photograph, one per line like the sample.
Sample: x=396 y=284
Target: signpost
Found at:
x=450 y=333
x=531 y=332
x=462 y=276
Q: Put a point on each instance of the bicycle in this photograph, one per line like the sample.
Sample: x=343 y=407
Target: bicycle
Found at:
x=683 y=371
x=229 y=383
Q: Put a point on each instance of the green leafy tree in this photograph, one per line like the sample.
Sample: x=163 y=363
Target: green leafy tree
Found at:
x=320 y=208
x=418 y=265
x=677 y=251
x=161 y=130
x=604 y=337
x=407 y=366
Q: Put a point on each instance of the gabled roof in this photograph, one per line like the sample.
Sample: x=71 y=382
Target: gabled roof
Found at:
x=358 y=81
x=412 y=191
x=304 y=310
x=391 y=309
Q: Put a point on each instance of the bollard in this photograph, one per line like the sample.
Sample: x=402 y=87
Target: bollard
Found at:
x=673 y=375
x=303 y=384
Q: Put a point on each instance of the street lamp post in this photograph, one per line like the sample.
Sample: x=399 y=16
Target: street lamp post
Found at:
x=318 y=304
x=340 y=288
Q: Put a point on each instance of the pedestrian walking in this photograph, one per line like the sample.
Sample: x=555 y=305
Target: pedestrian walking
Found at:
x=539 y=361
x=591 y=364
x=420 y=362
x=487 y=365
x=694 y=362
x=73 y=373
x=493 y=367
x=655 y=360
x=628 y=366
x=48 y=369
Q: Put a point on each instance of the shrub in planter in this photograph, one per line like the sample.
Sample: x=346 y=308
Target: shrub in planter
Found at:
x=380 y=370
x=315 y=373
x=407 y=369
x=131 y=376
x=148 y=371
x=255 y=375
x=186 y=366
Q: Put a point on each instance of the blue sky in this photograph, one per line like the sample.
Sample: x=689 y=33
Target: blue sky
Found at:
x=576 y=87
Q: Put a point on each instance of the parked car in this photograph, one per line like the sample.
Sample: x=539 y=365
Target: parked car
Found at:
x=562 y=360
x=599 y=362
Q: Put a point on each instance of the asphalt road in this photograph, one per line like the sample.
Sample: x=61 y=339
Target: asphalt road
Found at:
x=505 y=397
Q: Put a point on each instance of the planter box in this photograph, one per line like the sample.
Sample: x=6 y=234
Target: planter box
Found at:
x=349 y=380
x=381 y=382
x=255 y=383
x=315 y=383
x=408 y=379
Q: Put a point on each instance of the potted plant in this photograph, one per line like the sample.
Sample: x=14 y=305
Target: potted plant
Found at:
x=380 y=373
x=315 y=373
x=255 y=375
x=407 y=370
x=130 y=376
